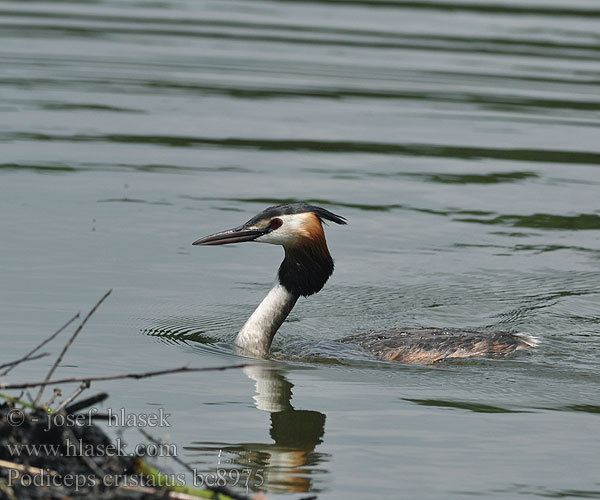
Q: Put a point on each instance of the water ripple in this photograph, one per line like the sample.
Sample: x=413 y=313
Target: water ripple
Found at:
x=427 y=150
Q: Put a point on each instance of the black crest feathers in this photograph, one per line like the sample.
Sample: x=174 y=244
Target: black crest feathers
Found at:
x=296 y=208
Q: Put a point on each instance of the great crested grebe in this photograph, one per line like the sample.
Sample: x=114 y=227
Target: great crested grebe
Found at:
x=306 y=268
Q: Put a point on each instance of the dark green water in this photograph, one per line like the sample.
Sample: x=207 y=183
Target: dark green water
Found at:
x=462 y=142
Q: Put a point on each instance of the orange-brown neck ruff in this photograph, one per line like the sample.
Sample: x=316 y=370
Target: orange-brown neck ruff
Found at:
x=307 y=264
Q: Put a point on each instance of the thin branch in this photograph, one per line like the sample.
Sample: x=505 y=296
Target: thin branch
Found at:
x=95 y=468
x=27 y=356
x=12 y=364
x=60 y=357
x=17 y=401
x=27 y=468
x=152 y=439
x=85 y=403
x=77 y=392
x=57 y=392
x=128 y=375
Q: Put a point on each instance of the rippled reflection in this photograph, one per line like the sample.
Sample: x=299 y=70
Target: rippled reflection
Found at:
x=288 y=464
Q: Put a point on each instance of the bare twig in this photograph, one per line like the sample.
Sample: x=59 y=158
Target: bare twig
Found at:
x=152 y=439
x=57 y=392
x=12 y=364
x=96 y=469
x=60 y=357
x=128 y=375
x=77 y=392
x=17 y=401
x=85 y=403
x=27 y=357
x=27 y=468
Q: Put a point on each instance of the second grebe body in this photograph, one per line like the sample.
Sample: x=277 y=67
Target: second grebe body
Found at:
x=305 y=269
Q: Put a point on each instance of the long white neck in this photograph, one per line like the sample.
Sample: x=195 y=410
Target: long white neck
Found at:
x=258 y=332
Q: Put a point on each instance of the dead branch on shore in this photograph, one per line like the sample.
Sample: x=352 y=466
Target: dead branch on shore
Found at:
x=86 y=403
x=28 y=357
x=77 y=392
x=27 y=469
x=12 y=364
x=181 y=369
x=68 y=344
x=64 y=435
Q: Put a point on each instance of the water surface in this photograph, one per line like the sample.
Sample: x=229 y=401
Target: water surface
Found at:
x=461 y=142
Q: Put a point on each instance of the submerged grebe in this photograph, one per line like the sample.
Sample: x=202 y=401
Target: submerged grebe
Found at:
x=306 y=268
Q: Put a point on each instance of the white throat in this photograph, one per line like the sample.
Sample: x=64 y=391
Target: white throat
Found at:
x=258 y=332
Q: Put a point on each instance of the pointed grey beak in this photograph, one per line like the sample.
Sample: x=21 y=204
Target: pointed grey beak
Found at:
x=236 y=235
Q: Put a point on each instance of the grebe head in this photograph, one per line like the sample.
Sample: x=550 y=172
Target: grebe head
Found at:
x=298 y=228
x=289 y=225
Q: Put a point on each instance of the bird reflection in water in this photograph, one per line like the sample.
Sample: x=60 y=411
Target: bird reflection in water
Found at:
x=290 y=463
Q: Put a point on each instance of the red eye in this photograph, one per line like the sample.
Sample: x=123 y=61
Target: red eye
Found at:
x=275 y=223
